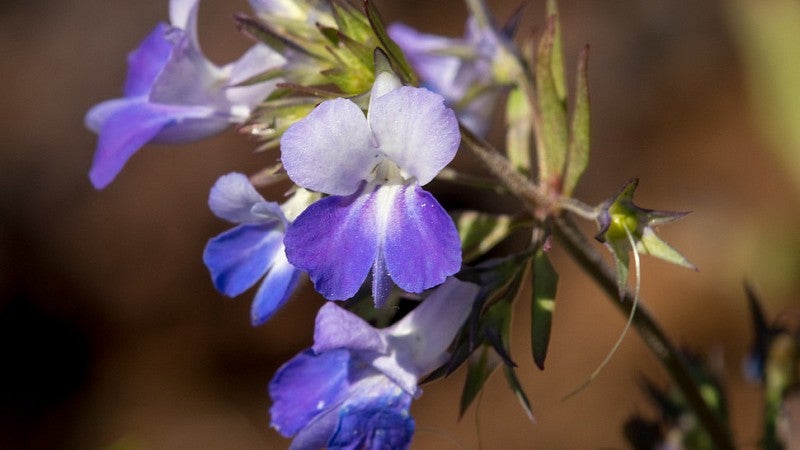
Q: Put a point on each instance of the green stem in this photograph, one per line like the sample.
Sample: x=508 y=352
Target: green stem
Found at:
x=655 y=338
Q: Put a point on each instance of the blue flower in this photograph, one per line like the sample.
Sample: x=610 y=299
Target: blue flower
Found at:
x=377 y=216
x=241 y=256
x=173 y=94
x=353 y=388
x=460 y=69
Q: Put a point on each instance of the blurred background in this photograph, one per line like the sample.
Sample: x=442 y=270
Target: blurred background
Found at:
x=112 y=336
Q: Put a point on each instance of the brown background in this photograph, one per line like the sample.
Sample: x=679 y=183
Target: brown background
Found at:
x=112 y=336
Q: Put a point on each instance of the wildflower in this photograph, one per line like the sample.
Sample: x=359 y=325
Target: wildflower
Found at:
x=377 y=216
x=173 y=94
x=241 y=256
x=353 y=388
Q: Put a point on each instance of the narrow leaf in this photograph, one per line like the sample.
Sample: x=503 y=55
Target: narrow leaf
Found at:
x=580 y=131
x=545 y=282
x=480 y=366
x=557 y=65
x=516 y=387
x=396 y=55
x=552 y=144
x=519 y=122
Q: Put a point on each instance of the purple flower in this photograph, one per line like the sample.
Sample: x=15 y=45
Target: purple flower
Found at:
x=459 y=69
x=241 y=256
x=173 y=94
x=353 y=388
x=377 y=217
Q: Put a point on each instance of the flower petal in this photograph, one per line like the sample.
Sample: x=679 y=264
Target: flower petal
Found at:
x=183 y=15
x=101 y=112
x=188 y=78
x=233 y=198
x=427 y=55
x=375 y=416
x=424 y=334
x=336 y=327
x=145 y=63
x=307 y=385
x=240 y=256
x=421 y=246
x=278 y=285
x=334 y=240
x=415 y=130
x=137 y=123
x=331 y=150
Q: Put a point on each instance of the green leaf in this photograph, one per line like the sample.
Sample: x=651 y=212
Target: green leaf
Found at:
x=557 y=66
x=480 y=232
x=519 y=122
x=516 y=387
x=545 y=283
x=552 y=144
x=580 y=131
x=479 y=367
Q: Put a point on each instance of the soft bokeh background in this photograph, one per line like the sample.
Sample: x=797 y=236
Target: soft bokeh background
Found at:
x=112 y=336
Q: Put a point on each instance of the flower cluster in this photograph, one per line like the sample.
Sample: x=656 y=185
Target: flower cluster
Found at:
x=365 y=117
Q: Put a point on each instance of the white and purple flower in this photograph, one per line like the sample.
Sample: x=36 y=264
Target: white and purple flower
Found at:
x=241 y=256
x=173 y=94
x=353 y=388
x=377 y=217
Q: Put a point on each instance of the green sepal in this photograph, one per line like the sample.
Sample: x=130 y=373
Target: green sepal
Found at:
x=552 y=144
x=398 y=59
x=261 y=31
x=545 y=283
x=650 y=244
x=619 y=217
x=480 y=232
x=580 y=128
x=480 y=366
x=351 y=21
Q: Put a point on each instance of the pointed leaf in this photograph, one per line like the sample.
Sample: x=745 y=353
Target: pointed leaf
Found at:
x=480 y=366
x=396 y=55
x=545 y=282
x=557 y=66
x=516 y=387
x=552 y=144
x=519 y=122
x=580 y=130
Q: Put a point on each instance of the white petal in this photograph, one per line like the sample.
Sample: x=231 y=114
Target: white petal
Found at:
x=331 y=150
x=416 y=130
